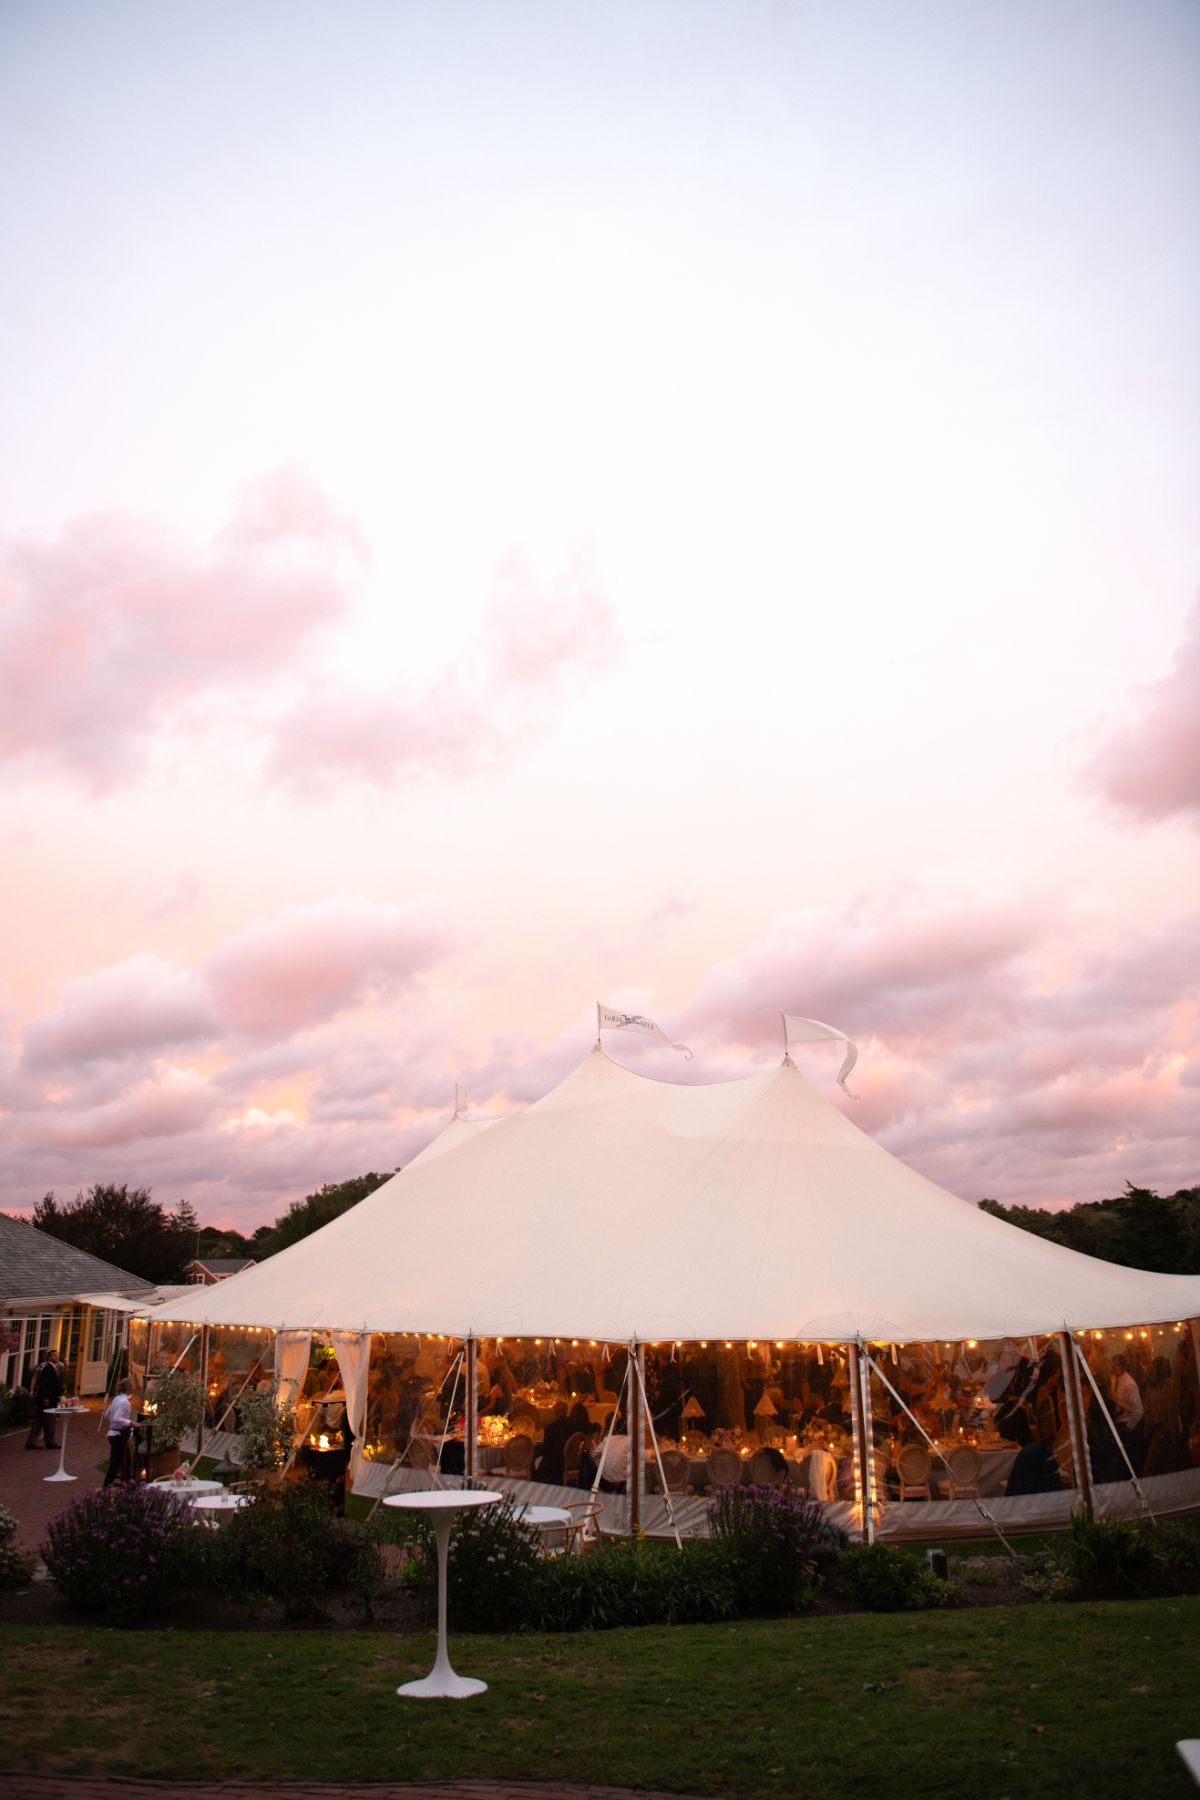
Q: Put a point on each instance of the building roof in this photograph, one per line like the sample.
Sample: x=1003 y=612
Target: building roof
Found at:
x=226 y=1265
x=619 y=1207
x=34 y=1265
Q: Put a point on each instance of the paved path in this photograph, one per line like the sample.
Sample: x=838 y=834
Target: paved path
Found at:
x=61 y=1787
x=34 y=1501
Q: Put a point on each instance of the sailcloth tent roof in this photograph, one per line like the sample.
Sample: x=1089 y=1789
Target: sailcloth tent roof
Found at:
x=620 y=1207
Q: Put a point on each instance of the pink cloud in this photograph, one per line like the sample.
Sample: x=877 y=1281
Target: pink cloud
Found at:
x=112 y=632
x=1150 y=765
x=166 y=1105
x=307 y=963
x=136 y=1007
x=465 y=724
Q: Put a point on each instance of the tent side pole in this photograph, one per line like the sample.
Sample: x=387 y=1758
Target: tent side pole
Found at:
x=1075 y=1425
x=203 y=1387
x=634 y=1476
x=471 y=1414
x=860 y=1410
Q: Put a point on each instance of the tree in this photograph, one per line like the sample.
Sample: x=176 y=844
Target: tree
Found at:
x=124 y=1226
x=1139 y=1228
x=308 y=1215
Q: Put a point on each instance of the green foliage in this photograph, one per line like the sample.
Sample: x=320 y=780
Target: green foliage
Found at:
x=266 y=1429
x=16 y=1565
x=16 y=1407
x=178 y=1399
x=308 y=1215
x=627 y=1582
x=119 y=1551
x=123 y=1226
x=1108 y=1557
x=888 y=1578
x=1140 y=1229
x=290 y=1546
x=777 y=1542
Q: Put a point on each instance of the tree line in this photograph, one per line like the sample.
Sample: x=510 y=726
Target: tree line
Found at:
x=125 y=1226
x=1139 y=1228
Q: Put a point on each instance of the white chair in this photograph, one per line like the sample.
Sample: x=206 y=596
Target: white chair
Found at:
x=964 y=1464
x=912 y=1466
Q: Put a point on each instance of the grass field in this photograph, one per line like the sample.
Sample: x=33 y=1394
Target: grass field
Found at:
x=1052 y=1700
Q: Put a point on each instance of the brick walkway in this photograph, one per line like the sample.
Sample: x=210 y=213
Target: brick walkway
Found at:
x=61 y=1787
x=34 y=1501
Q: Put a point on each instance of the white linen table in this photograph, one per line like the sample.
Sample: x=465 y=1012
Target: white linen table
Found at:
x=441 y=1504
x=66 y=1414
x=191 y=1489
x=216 y=1507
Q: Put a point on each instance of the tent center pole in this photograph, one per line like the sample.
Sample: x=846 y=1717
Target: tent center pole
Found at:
x=860 y=1407
x=471 y=1413
x=1073 y=1390
x=203 y=1387
x=636 y=1457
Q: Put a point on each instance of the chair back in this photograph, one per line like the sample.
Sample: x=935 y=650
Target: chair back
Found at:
x=965 y=1464
x=518 y=1455
x=913 y=1463
x=724 y=1469
x=571 y=1449
x=677 y=1471
x=417 y=1454
x=524 y=1424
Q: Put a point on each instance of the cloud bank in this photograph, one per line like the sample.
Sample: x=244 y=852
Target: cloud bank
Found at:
x=1149 y=766
x=995 y=1055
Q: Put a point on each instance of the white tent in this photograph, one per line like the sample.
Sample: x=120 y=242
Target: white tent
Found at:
x=622 y=1208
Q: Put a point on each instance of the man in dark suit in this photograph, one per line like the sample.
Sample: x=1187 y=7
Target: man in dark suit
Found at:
x=47 y=1392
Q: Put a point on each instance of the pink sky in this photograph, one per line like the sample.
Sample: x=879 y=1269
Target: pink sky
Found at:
x=692 y=513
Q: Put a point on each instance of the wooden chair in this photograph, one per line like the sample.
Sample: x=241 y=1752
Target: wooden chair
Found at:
x=417 y=1454
x=587 y=1523
x=518 y=1458
x=677 y=1470
x=964 y=1464
x=912 y=1466
x=724 y=1470
x=571 y=1449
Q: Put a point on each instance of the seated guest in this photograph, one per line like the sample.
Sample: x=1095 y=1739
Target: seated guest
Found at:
x=1035 y=1470
x=548 y=1462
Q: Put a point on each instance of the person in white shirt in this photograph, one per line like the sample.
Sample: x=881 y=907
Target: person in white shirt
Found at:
x=1128 y=1407
x=118 y=1417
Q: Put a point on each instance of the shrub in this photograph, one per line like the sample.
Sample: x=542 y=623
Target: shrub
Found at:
x=16 y=1565
x=16 y=1406
x=178 y=1402
x=637 y=1583
x=1109 y=1557
x=778 y=1544
x=267 y=1430
x=494 y=1566
x=887 y=1578
x=1177 y=1555
x=120 y=1551
x=290 y=1546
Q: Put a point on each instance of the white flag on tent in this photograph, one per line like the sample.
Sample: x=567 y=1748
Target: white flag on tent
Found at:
x=810 y=1031
x=608 y=1019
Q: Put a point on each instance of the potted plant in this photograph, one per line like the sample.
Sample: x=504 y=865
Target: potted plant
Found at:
x=174 y=1406
x=268 y=1431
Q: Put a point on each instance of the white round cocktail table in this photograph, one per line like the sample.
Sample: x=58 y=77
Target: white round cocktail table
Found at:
x=442 y=1683
x=65 y=1413
x=217 y=1506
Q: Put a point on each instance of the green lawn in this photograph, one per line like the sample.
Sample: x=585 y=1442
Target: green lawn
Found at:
x=1031 y=1701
